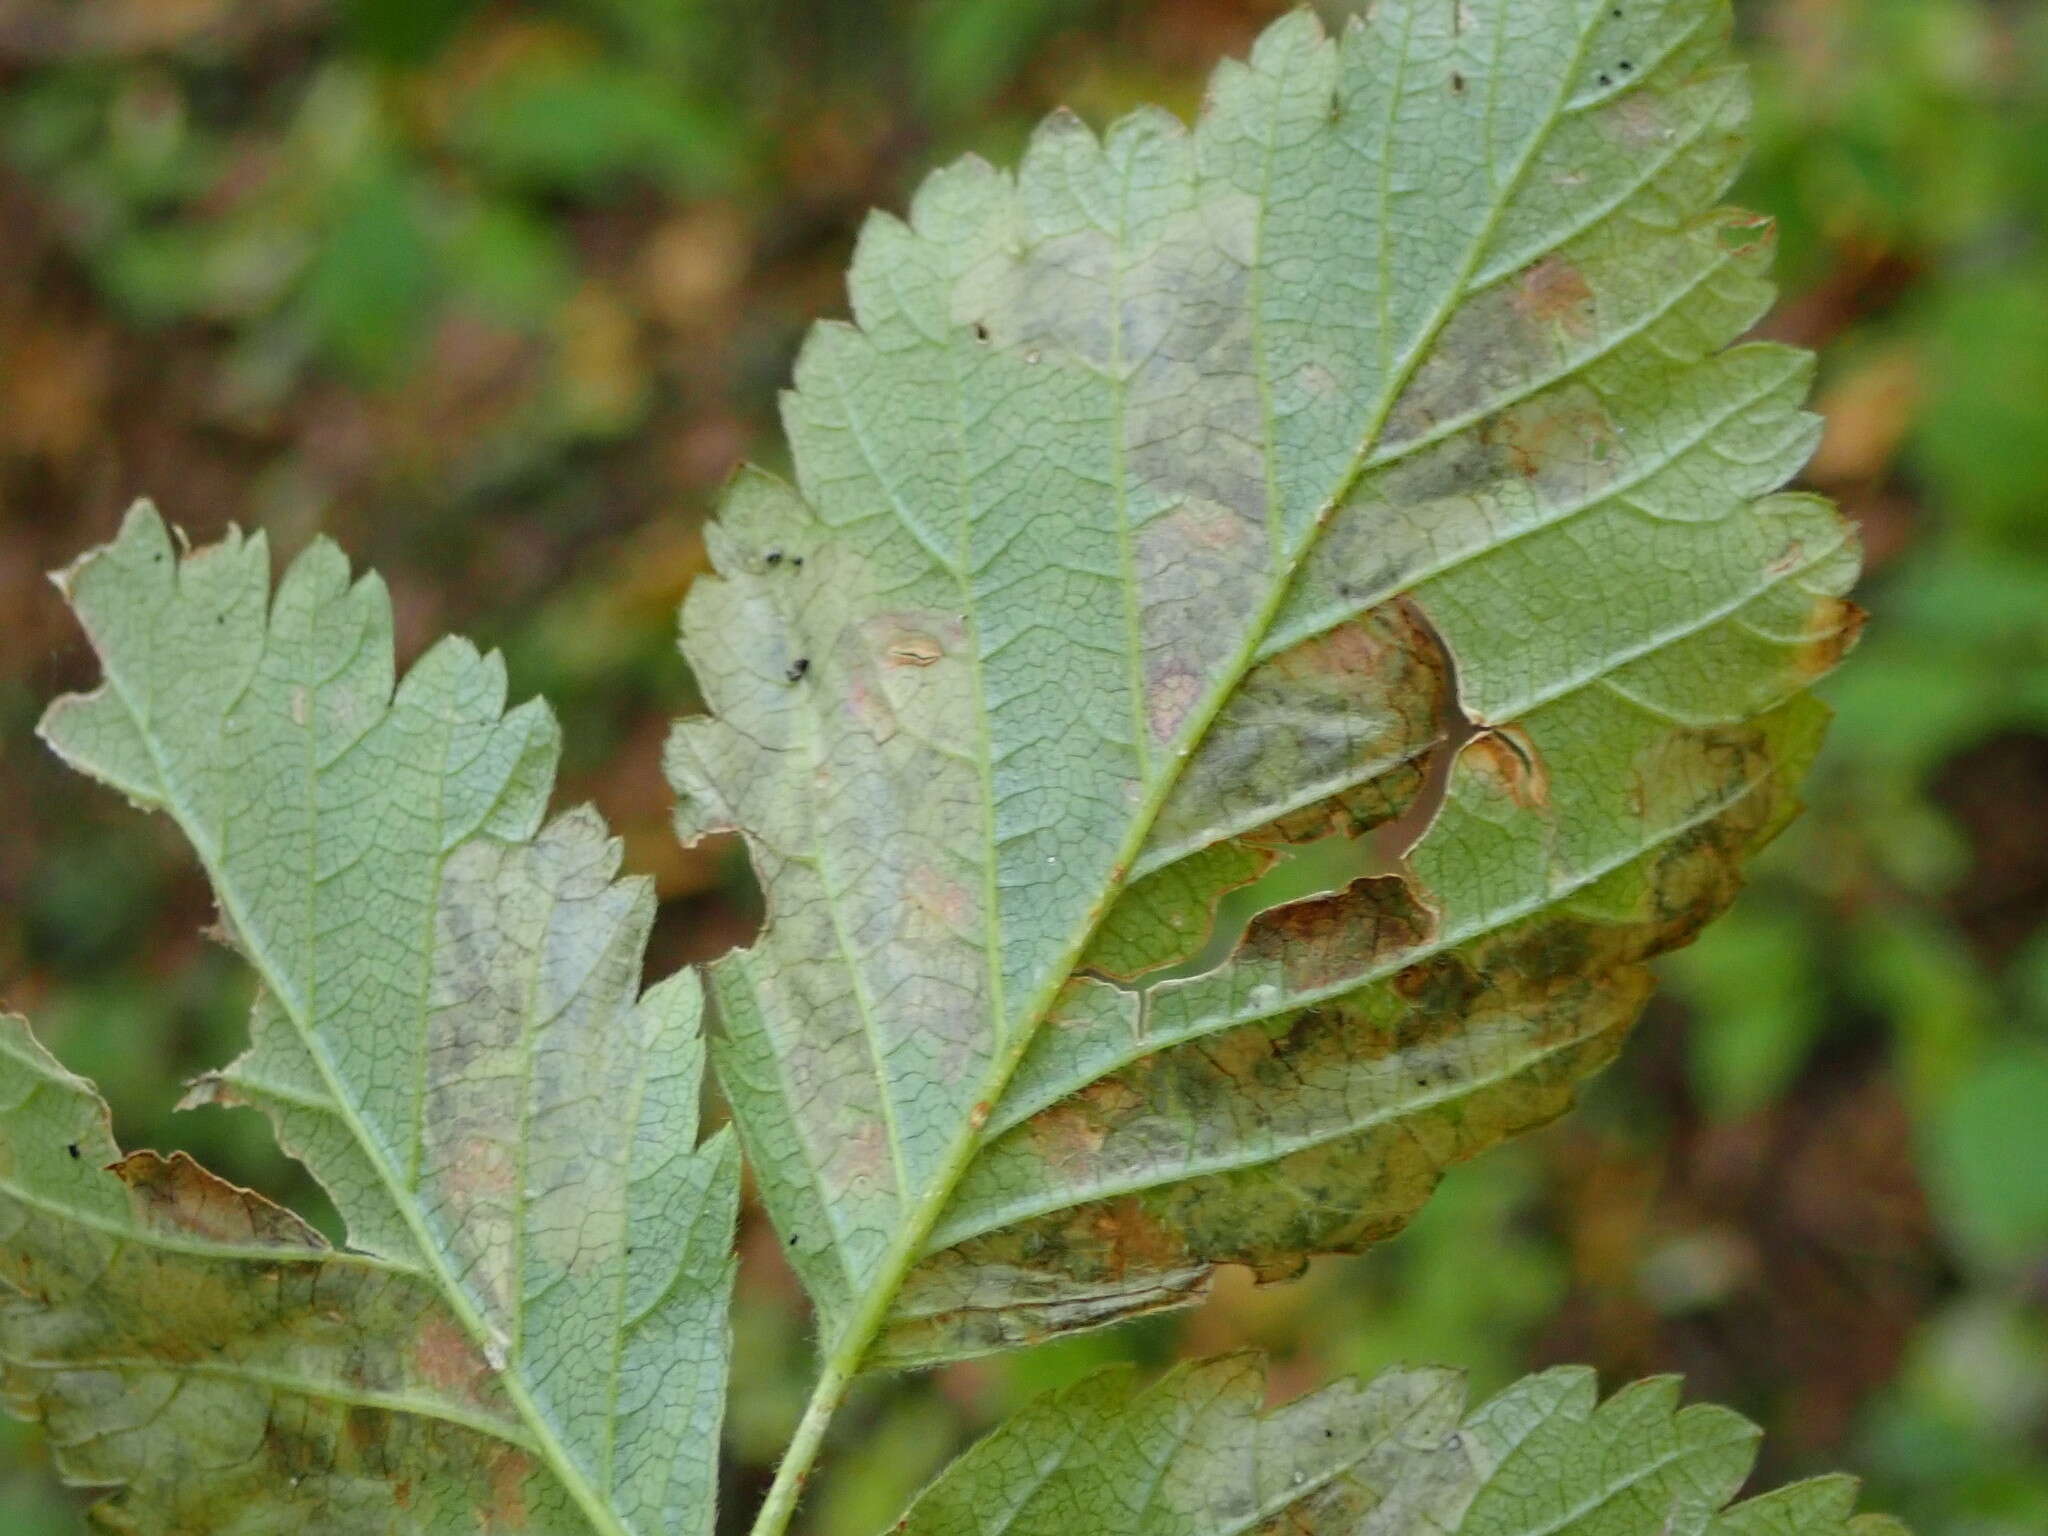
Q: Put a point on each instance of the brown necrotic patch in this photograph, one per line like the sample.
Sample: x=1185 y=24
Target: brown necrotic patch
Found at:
x=1507 y=759
x=1318 y=943
x=1071 y=1133
x=447 y=1359
x=511 y=1472
x=175 y=1194
x=1554 y=293
x=1835 y=626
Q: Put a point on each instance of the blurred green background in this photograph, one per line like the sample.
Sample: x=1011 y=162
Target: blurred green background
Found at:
x=497 y=294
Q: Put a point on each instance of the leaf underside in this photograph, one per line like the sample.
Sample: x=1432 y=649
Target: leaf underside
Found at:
x=272 y=1384
x=447 y=1035
x=204 y=1351
x=1197 y=1454
x=1201 y=508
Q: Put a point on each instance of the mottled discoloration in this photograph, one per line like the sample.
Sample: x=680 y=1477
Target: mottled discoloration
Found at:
x=1320 y=1084
x=448 y=1359
x=1071 y=1134
x=508 y=1510
x=336 y=1394
x=1174 y=692
x=1640 y=123
x=450 y=1031
x=1563 y=439
x=1186 y=498
x=1555 y=293
x=949 y=904
x=1390 y=1038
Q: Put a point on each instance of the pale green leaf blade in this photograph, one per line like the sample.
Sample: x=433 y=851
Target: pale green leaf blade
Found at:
x=1195 y=1454
x=208 y=1356
x=1363 y=485
x=451 y=1033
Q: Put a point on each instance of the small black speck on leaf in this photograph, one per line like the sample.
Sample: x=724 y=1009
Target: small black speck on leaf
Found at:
x=1457 y=82
x=980 y=331
x=73 y=1150
x=773 y=557
x=797 y=561
x=1625 y=67
x=1606 y=80
x=798 y=668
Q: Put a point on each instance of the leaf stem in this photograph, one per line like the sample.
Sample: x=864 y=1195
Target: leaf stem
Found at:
x=844 y=1356
x=788 y=1486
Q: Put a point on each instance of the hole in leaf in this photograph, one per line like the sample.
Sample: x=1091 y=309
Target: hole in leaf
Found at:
x=1746 y=233
x=1329 y=866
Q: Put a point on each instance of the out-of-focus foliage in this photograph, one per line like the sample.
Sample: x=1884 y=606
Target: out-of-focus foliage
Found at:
x=498 y=293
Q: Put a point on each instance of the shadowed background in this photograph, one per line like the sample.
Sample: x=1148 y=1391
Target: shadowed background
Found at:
x=497 y=294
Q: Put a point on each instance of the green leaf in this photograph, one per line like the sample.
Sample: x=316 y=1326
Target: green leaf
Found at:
x=158 y=1320
x=448 y=1034
x=1358 y=491
x=1195 y=1455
